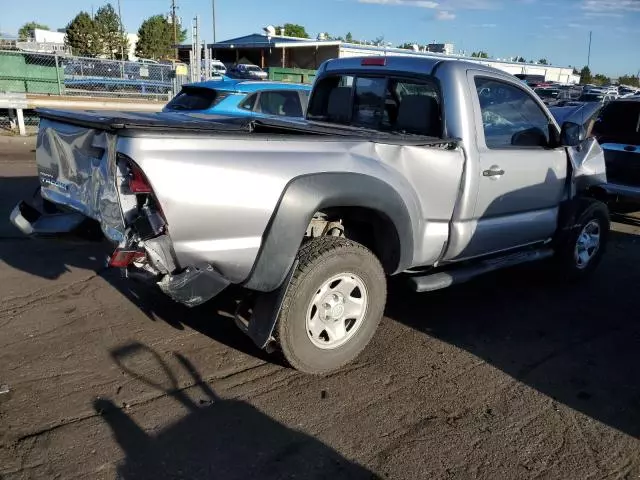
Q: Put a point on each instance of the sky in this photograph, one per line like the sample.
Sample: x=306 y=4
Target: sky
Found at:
x=557 y=30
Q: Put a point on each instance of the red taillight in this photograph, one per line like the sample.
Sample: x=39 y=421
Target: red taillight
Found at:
x=138 y=183
x=124 y=258
x=374 y=61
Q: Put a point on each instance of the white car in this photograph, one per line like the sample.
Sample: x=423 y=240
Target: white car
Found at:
x=218 y=68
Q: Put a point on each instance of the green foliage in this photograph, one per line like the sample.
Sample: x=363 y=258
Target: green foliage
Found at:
x=83 y=37
x=630 y=80
x=155 y=38
x=109 y=29
x=585 y=75
x=600 y=79
x=480 y=54
x=26 y=31
x=521 y=60
x=543 y=61
x=293 y=30
x=348 y=37
x=406 y=45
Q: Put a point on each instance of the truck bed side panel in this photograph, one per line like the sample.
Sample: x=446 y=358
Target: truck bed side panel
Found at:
x=219 y=193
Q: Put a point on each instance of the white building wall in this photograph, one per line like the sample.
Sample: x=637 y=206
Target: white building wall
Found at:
x=133 y=41
x=48 y=36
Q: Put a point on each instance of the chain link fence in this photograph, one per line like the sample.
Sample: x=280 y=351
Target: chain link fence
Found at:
x=56 y=74
x=9 y=122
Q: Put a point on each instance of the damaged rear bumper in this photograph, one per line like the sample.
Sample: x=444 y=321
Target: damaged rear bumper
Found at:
x=190 y=286
x=33 y=222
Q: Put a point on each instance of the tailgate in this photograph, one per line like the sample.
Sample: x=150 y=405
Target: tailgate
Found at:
x=77 y=169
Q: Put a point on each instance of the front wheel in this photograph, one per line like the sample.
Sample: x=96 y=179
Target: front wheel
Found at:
x=581 y=250
x=333 y=305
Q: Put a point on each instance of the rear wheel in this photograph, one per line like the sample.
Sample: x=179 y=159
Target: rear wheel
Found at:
x=333 y=305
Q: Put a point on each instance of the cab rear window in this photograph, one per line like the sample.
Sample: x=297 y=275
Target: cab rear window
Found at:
x=196 y=98
x=403 y=105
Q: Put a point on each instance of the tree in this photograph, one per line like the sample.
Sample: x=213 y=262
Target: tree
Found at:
x=575 y=71
x=585 y=75
x=83 y=37
x=293 y=30
x=629 y=80
x=348 y=37
x=543 y=61
x=600 y=79
x=480 y=54
x=408 y=46
x=155 y=38
x=26 y=31
x=521 y=60
x=109 y=28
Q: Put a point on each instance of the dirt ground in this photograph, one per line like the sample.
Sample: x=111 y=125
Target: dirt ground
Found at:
x=514 y=376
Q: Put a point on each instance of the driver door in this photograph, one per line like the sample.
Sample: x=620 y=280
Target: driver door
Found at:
x=521 y=177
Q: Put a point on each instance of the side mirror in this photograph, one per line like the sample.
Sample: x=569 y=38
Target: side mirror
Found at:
x=571 y=134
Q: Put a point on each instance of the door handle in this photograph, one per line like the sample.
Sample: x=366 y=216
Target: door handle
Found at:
x=494 y=172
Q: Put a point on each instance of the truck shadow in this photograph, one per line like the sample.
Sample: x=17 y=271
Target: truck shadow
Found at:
x=217 y=438
x=577 y=344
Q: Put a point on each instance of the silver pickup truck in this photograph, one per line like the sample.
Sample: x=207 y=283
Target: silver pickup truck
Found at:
x=434 y=169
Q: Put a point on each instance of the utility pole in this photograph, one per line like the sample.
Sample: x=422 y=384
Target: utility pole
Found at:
x=213 y=12
x=589 y=54
x=175 y=27
x=121 y=33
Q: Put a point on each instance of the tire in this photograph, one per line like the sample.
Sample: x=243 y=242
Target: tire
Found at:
x=591 y=215
x=328 y=267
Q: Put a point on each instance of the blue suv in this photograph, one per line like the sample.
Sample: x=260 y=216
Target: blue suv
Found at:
x=241 y=98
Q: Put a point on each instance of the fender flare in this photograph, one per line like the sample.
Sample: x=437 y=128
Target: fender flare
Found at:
x=302 y=198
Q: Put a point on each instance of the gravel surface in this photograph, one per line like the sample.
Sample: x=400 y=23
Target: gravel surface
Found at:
x=513 y=376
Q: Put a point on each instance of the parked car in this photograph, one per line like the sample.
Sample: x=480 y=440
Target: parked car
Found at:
x=594 y=96
x=401 y=167
x=618 y=130
x=251 y=72
x=547 y=95
x=218 y=68
x=242 y=98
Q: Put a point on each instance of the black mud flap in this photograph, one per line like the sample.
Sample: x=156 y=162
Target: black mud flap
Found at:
x=266 y=311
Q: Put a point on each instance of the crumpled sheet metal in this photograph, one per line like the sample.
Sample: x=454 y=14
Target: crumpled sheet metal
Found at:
x=589 y=168
x=77 y=169
x=193 y=286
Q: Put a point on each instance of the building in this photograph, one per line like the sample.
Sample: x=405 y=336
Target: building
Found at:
x=271 y=50
x=44 y=41
x=446 y=48
x=133 y=41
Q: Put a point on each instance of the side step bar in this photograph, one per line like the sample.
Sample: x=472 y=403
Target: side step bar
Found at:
x=439 y=280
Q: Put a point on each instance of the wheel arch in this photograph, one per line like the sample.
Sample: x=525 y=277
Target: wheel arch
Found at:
x=346 y=192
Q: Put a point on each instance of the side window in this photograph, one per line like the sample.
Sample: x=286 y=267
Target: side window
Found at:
x=510 y=116
x=249 y=102
x=282 y=103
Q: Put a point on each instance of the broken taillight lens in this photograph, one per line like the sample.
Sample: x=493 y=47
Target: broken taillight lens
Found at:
x=138 y=183
x=124 y=258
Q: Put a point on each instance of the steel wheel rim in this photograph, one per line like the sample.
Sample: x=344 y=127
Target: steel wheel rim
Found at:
x=587 y=244
x=336 y=311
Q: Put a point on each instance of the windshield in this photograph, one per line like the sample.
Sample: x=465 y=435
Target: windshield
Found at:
x=591 y=97
x=253 y=68
x=547 y=92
